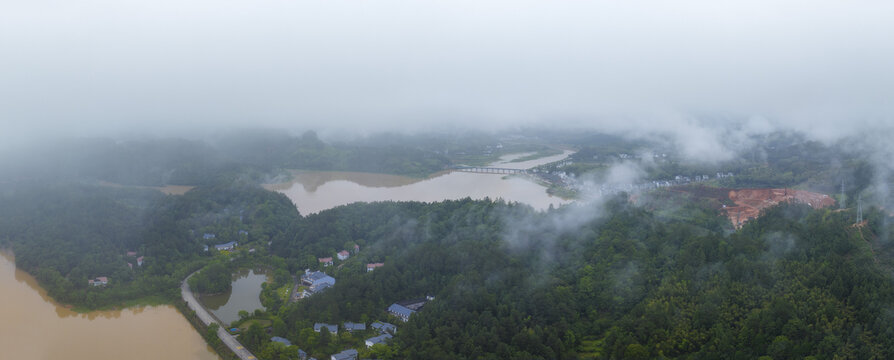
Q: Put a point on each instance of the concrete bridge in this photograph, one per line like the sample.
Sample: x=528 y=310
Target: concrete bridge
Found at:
x=489 y=170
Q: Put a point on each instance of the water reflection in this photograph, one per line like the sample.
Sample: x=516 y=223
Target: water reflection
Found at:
x=243 y=295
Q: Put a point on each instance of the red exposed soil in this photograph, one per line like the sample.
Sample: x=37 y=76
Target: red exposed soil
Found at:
x=750 y=202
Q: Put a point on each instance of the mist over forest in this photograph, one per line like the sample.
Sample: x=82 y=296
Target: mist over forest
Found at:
x=637 y=180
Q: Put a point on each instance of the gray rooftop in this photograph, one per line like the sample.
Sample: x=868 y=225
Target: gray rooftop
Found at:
x=383 y=326
x=400 y=310
x=379 y=339
x=316 y=276
x=350 y=326
x=346 y=355
x=332 y=328
x=226 y=245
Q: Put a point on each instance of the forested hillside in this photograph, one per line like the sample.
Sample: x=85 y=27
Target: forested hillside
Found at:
x=68 y=234
x=630 y=284
x=658 y=275
x=246 y=154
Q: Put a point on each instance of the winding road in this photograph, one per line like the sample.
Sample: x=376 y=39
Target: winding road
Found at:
x=206 y=318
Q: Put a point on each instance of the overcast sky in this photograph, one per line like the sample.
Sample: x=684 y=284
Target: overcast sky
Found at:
x=106 y=67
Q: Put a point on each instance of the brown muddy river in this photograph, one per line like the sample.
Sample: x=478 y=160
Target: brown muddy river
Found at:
x=315 y=191
x=32 y=326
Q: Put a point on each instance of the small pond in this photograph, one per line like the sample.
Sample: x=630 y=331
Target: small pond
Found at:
x=244 y=295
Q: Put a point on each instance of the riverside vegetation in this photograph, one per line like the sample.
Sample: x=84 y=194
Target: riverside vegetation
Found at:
x=664 y=278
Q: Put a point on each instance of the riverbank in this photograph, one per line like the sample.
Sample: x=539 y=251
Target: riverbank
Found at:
x=219 y=347
x=149 y=300
x=34 y=326
x=196 y=309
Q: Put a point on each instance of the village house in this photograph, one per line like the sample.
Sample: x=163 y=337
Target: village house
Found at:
x=130 y=266
x=401 y=312
x=319 y=288
x=373 y=266
x=333 y=329
x=343 y=255
x=317 y=280
x=326 y=261
x=356 y=249
x=283 y=341
x=302 y=355
x=131 y=253
x=415 y=304
x=140 y=261
x=208 y=236
x=227 y=246
x=99 y=281
x=378 y=339
x=243 y=232
x=384 y=327
x=349 y=354
x=350 y=326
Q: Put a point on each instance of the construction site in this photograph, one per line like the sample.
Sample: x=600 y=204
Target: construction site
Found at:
x=741 y=205
x=750 y=202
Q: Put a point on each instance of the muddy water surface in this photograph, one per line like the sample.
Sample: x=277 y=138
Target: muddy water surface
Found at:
x=314 y=191
x=32 y=326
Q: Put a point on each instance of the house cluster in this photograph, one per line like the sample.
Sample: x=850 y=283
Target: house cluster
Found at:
x=316 y=281
x=225 y=246
x=99 y=281
x=222 y=246
x=404 y=309
x=386 y=331
x=610 y=189
x=139 y=260
x=341 y=255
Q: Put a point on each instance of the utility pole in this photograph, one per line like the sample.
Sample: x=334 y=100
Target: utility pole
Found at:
x=842 y=200
x=859 y=209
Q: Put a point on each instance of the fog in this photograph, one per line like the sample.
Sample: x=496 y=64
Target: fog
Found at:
x=684 y=70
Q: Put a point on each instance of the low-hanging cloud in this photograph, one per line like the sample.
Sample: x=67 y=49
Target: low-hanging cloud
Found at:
x=82 y=67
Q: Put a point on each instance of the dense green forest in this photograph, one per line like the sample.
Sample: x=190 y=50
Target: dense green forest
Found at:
x=667 y=277
x=68 y=234
x=769 y=161
x=254 y=154
x=630 y=284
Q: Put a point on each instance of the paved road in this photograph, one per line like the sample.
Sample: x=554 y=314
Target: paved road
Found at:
x=206 y=318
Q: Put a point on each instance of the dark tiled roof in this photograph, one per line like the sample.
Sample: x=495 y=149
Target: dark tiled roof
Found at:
x=350 y=326
x=379 y=339
x=346 y=355
x=400 y=310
